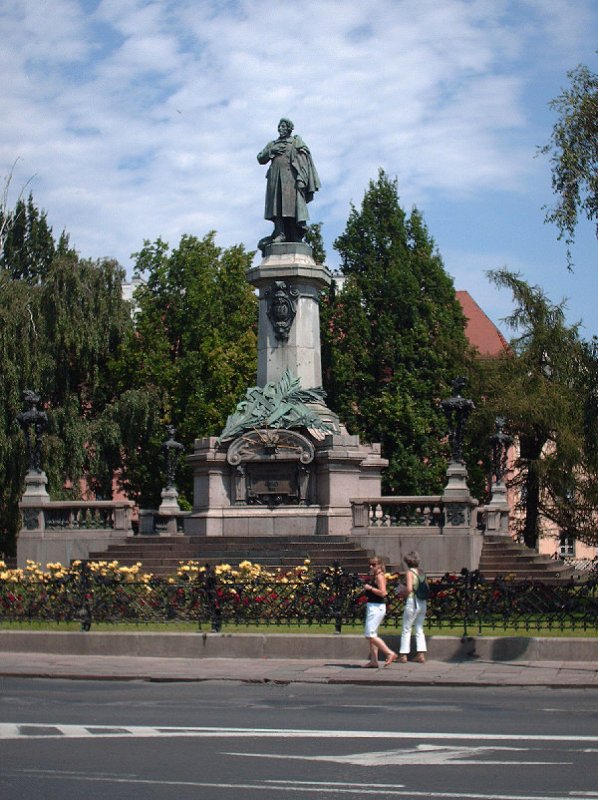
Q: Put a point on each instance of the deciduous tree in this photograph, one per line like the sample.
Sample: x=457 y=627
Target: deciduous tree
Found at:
x=573 y=151
x=193 y=352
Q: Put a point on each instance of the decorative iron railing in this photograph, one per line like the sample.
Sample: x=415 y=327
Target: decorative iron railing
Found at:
x=459 y=603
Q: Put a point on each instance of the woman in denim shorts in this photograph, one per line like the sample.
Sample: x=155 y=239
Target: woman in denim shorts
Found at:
x=375 y=592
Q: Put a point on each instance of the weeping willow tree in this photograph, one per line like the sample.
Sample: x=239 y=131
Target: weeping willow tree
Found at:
x=62 y=319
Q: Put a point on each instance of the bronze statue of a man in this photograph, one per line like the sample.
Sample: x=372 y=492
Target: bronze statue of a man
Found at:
x=291 y=182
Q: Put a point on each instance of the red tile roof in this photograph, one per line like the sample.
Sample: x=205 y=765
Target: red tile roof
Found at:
x=480 y=330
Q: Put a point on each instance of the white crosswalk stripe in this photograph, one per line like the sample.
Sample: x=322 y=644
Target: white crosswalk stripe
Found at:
x=24 y=730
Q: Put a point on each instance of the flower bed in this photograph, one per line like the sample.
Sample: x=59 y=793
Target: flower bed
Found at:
x=102 y=591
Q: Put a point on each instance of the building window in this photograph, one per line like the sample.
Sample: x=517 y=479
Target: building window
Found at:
x=567 y=545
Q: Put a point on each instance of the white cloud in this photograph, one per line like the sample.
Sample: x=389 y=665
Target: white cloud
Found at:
x=143 y=118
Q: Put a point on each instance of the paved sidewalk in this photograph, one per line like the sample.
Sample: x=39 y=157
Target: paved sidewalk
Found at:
x=475 y=672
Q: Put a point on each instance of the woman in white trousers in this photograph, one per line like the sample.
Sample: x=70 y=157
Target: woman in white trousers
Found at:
x=414 y=612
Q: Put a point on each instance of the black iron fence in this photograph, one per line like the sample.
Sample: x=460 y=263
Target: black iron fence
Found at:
x=464 y=603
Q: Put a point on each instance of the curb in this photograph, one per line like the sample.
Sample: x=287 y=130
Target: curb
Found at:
x=546 y=682
x=289 y=646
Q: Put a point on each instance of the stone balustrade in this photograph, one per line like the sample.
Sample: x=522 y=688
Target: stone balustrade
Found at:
x=57 y=515
x=399 y=512
x=442 y=528
x=100 y=515
x=65 y=530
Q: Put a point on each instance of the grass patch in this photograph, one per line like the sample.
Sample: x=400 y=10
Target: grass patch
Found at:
x=307 y=630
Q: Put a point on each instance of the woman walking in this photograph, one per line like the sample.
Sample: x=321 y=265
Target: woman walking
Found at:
x=375 y=592
x=414 y=611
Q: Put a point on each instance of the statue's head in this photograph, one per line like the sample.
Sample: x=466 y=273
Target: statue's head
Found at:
x=285 y=127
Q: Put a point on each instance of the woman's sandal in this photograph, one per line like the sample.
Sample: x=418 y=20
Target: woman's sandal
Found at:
x=420 y=658
x=390 y=659
x=369 y=665
x=402 y=659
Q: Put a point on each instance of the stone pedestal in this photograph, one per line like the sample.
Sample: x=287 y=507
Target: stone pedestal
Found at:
x=285 y=481
x=459 y=505
x=35 y=489
x=34 y=497
x=166 y=522
x=497 y=512
x=170 y=501
x=341 y=469
x=289 y=282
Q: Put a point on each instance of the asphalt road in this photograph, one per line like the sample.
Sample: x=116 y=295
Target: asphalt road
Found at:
x=215 y=740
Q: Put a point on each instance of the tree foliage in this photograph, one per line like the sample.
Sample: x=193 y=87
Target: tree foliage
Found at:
x=393 y=339
x=573 y=151
x=547 y=388
x=61 y=321
x=190 y=357
x=27 y=244
x=313 y=237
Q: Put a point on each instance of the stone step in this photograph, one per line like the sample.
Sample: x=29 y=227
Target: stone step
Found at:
x=524 y=562
x=228 y=555
x=503 y=557
x=162 y=555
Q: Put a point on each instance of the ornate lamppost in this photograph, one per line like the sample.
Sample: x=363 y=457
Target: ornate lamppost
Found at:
x=172 y=450
x=457 y=410
x=501 y=442
x=33 y=421
x=497 y=511
x=458 y=503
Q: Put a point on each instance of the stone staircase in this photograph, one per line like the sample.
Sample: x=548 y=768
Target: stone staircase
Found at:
x=502 y=557
x=161 y=555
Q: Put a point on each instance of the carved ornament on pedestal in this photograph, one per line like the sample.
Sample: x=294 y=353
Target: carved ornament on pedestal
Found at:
x=272 y=467
x=282 y=307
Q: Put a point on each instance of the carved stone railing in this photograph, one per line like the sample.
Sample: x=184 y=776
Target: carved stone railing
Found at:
x=399 y=512
x=442 y=528
x=79 y=515
x=67 y=530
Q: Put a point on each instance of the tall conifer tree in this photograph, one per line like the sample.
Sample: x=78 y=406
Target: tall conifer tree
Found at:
x=546 y=387
x=394 y=339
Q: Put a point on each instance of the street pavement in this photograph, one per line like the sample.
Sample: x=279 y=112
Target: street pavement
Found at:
x=472 y=672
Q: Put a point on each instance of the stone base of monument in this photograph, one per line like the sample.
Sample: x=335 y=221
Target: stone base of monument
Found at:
x=280 y=483
x=286 y=465
x=449 y=551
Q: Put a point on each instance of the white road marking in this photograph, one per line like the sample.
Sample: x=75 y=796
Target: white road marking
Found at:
x=34 y=730
x=358 y=789
x=425 y=754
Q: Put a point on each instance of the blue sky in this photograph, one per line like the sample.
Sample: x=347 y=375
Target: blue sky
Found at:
x=137 y=119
